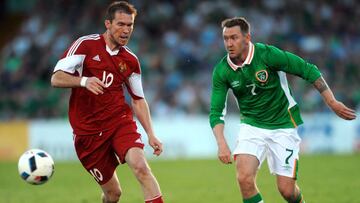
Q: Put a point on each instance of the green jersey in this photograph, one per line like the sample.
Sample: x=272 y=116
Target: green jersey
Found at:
x=260 y=87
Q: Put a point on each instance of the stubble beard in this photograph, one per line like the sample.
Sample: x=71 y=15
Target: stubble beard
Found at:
x=238 y=58
x=112 y=39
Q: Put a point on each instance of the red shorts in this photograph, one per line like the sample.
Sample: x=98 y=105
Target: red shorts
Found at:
x=100 y=153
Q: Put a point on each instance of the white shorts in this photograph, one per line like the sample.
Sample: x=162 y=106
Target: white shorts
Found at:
x=279 y=146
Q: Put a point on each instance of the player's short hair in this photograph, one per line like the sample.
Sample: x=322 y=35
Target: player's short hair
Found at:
x=119 y=6
x=237 y=21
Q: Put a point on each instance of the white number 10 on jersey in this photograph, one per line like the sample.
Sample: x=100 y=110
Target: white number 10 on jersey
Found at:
x=107 y=79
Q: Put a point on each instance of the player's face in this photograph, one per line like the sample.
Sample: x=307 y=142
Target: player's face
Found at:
x=120 y=28
x=235 y=41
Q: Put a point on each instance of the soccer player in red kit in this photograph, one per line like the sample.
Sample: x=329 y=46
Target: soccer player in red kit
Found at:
x=98 y=67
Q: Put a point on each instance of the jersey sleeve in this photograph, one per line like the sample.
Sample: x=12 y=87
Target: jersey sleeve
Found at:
x=280 y=60
x=134 y=83
x=73 y=58
x=218 y=99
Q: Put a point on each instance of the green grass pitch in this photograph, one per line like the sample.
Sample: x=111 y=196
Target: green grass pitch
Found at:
x=323 y=178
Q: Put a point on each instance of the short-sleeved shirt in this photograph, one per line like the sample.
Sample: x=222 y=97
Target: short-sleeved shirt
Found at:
x=260 y=87
x=89 y=56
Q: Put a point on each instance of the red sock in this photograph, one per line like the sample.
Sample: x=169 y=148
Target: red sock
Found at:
x=157 y=199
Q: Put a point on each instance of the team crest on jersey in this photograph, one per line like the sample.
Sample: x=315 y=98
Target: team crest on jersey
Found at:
x=262 y=76
x=122 y=66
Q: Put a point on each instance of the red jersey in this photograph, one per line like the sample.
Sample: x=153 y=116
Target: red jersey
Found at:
x=90 y=56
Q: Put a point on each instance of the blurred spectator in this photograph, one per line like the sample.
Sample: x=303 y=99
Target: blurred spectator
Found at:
x=178 y=44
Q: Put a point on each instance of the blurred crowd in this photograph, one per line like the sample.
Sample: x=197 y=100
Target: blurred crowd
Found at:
x=178 y=44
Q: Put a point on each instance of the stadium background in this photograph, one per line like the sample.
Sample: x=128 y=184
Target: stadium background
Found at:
x=178 y=43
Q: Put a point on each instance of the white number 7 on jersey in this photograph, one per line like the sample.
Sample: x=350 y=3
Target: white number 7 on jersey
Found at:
x=252 y=89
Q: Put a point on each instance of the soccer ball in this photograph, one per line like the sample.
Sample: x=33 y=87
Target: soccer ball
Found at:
x=36 y=166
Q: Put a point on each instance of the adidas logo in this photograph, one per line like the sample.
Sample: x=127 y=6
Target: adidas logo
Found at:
x=96 y=58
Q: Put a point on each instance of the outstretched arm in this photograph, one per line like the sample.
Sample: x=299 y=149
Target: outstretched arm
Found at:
x=142 y=112
x=338 y=107
x=285 y=61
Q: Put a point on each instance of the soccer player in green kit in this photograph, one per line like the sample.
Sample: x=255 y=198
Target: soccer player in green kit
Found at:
x=256 y=73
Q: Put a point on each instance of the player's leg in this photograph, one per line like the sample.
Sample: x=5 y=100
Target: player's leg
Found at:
x=136 y=160
x=246 y=168
x=98 y=158
x=283 y=161
x=289 y=189
x=249 y=153
x=129 y=148
x=111 y=190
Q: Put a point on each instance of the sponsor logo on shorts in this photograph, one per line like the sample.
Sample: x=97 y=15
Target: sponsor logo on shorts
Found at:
x=287 y=167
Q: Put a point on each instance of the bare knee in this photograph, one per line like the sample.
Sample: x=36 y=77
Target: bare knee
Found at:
x=111 y=195
x=142 y=171
x=247 y=183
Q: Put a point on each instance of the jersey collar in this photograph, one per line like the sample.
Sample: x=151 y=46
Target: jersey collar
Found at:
x=112 y=53
x=247 y=60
